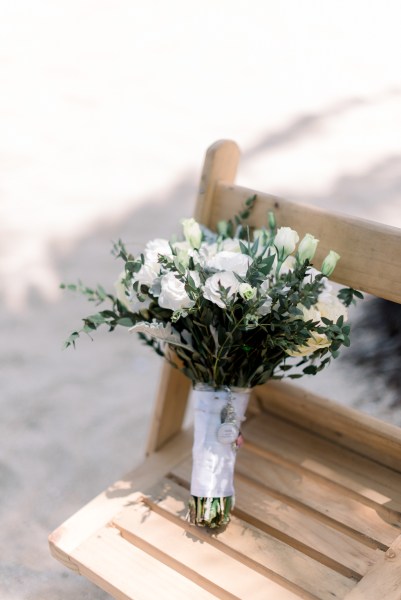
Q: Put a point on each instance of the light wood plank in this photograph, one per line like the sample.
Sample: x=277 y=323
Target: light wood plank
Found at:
x=199 y=561
x=369 y=251
x=97 y=513
x=295 y=527
x=347 y=427
x=254 y=547
x=282 y=441
x=128 y=573
x=169 y=411
x=220 y=165
x=383 y=580
x=346 y=514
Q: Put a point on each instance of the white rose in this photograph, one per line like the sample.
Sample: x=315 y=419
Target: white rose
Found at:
x=285 y=241
x=331 y=307
x=150 y=270
x=288 y=265
x=156 y=247
x=310 y=314
x=147 y=274
x=315 y=342
x=225 y=279
x=192 y=232
x=173 y=295
x=230 y=261
x=184 y=251
x=205 y=253
x=246 y=291
x=231 y=245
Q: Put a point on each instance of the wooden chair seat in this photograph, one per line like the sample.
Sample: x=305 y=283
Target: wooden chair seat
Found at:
x=318 y=485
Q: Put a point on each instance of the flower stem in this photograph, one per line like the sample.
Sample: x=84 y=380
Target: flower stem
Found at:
x=210 y=512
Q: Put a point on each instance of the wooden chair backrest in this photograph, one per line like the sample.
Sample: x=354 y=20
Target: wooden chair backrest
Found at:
x=370 y=262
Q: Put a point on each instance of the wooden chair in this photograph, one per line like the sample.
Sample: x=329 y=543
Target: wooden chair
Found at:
x=318 y=486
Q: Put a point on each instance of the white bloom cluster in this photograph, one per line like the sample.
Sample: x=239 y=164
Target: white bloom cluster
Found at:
x=232 y=305
x=328 y=306
x=178 y=274
x=224 y=265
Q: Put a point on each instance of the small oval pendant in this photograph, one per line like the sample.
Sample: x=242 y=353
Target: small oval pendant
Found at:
x=227 y=433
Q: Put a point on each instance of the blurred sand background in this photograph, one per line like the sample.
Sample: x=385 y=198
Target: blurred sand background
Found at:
x=106 y=110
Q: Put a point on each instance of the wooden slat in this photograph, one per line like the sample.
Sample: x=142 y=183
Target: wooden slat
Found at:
x=99 y=512
x=255 y=548
x=383 y=580
x=370 y=482
x=370 y=252
x=295 y=527
x=347 y=427
x=221 y=162
x=298 y=489
x=201 y=562
x=128 y=573
x=169 y=412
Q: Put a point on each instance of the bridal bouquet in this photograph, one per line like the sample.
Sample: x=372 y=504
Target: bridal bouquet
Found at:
x=231 y=309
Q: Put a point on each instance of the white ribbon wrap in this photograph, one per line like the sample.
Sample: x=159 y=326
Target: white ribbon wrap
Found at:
x=213 y=462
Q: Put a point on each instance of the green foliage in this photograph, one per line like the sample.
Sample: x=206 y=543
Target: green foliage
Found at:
x=348 y=295
x=246 y=342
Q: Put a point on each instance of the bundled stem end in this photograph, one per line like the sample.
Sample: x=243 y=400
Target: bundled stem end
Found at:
x=210 y=512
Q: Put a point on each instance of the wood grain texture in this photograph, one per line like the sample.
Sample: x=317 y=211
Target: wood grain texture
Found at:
x=257 y=549
x=220 y=165
x=296 y=526
x=347 y=427
x=370 y=252
x=169 y=411
x=328 y=463
x=383 y=580
x=327 y=502
x=97 y=513
x=200 y=562
x=127 y=573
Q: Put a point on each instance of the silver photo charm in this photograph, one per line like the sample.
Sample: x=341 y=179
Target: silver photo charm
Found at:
x=228 y=431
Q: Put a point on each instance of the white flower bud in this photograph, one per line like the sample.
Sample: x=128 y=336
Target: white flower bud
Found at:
x=329 y=263
x=192 y=232
x=272 y=220
x=285 y=241
x=222 y=228
x=307 y=248
x=246 y=291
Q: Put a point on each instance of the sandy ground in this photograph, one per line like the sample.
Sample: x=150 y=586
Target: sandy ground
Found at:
x=106 y=109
